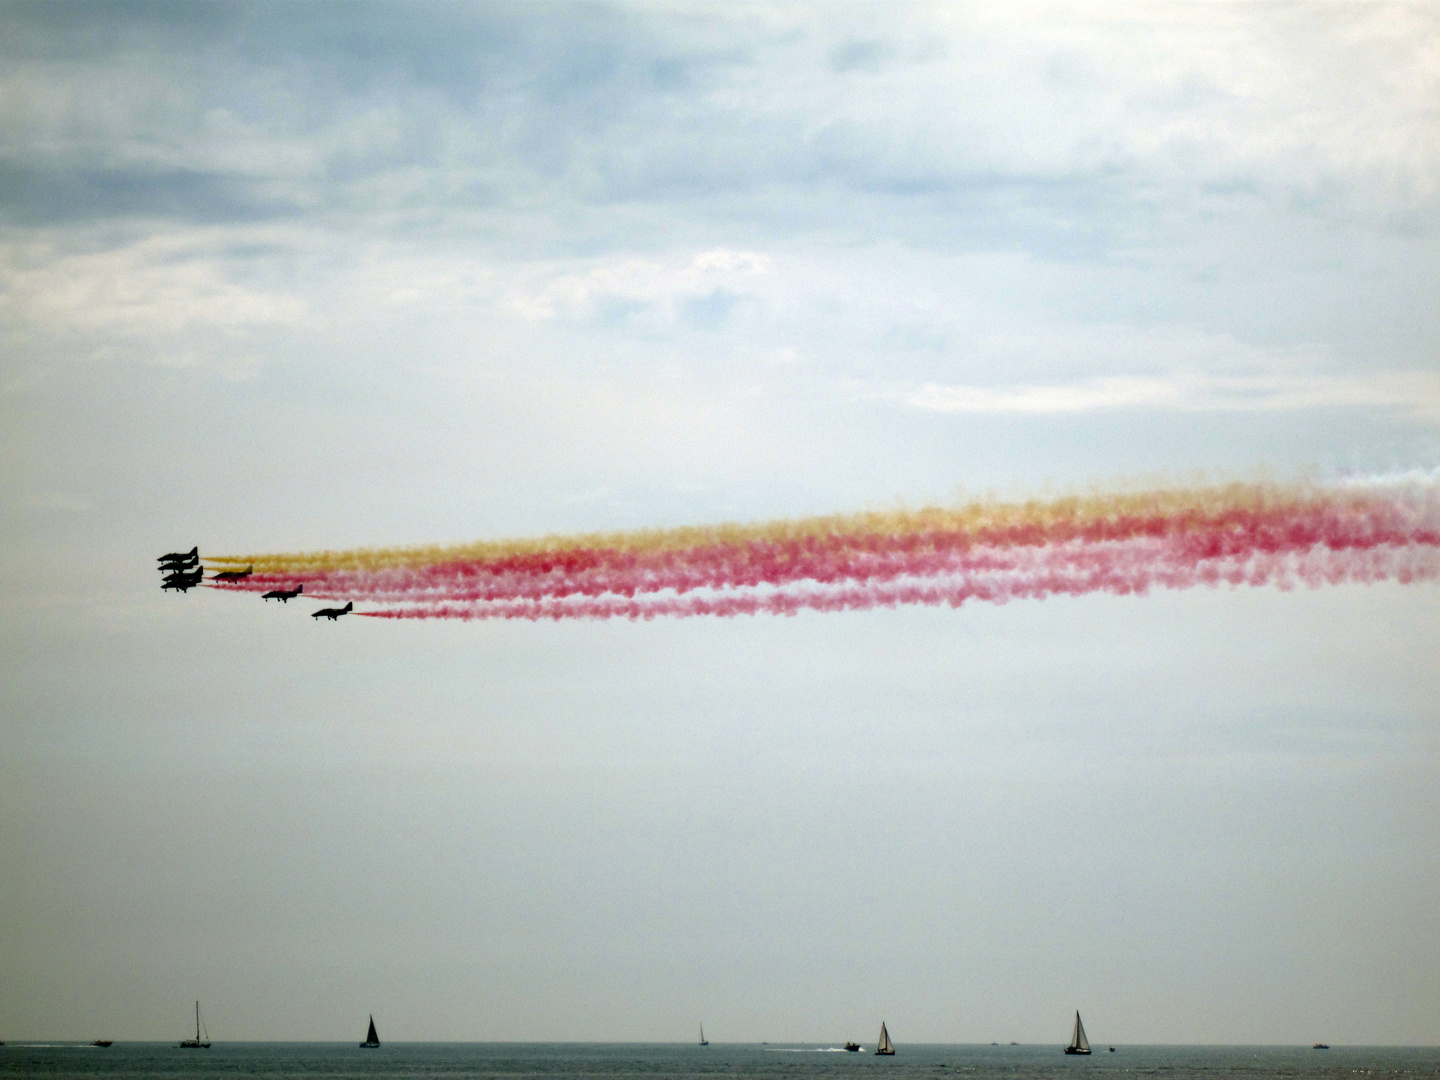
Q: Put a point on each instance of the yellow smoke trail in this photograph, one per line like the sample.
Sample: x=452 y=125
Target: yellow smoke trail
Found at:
x=972 y=517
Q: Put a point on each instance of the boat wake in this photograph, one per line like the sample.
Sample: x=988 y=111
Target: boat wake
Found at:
x=806 y=1049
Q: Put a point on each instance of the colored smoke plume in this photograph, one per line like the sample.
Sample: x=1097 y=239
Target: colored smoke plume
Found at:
x=996 y=551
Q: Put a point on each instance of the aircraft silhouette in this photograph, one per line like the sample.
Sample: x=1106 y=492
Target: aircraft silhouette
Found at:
x=193 y=555
x=284 y=595
x=234 y=575
x=182 y=581
x=333 y=613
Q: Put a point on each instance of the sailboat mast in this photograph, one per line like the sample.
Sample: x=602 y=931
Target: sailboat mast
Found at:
x=197 y=1021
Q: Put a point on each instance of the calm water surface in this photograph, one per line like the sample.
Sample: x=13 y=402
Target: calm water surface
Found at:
x=537 y=1061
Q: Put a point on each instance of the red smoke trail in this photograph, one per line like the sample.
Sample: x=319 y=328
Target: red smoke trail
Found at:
x=1053 y=573
x=1120 y=544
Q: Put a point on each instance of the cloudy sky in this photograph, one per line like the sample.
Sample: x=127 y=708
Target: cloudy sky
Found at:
x=289 y=276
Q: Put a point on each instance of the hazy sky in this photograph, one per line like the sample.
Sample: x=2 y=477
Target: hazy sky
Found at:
x=286 y=276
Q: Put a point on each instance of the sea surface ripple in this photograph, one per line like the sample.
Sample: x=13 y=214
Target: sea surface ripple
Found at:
x=780 y=1061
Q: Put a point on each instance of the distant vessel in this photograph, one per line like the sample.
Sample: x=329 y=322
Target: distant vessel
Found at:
x=102 y=1042
x=197 y=1043
x=1078 y=1043
x=1320 y=1046
x=852 y=1047
x=884 y=1046
x=703 y=1040
x=372 y=1040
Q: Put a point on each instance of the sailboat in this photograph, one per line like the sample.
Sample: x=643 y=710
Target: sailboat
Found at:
x=372 y=1040
x=197 y=1043
x=884 y=1046
x=703 y=1040
x=1078 y=1043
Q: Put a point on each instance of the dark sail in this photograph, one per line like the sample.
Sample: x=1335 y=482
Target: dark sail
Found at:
x=371 y=1038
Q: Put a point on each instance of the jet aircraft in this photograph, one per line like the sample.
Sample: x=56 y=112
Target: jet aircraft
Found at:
x=234 y=575
x=333 y=613
x=284 y=595
x=182 y=581
x=193 y=555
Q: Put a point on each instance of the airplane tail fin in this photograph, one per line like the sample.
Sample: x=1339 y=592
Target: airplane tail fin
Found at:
x=299 y=588
x=350 y=605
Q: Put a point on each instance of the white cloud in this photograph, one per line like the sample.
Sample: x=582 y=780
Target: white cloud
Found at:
x=1405 y=478
x=1331 y=103
x=638 y=282
x=1414 y=392
x=165 y=284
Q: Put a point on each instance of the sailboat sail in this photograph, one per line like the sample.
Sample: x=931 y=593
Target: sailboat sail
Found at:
x=884 y=1045
x=1078 y=1042
x=703 y=1041
x=372 y=1039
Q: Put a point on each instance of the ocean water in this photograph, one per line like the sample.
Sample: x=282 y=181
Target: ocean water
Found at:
x=612 y=1061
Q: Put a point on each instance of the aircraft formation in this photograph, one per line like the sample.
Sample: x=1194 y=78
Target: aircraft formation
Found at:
x=181 y=571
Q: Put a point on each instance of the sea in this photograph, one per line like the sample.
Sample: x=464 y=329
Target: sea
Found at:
x=622 y=1061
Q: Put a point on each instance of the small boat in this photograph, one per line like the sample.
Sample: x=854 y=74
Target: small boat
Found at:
x=372 y=1040
x=102 y=1042
x=1320 y=1046
x=884 y=1047
x=852 y=1047
x=197 y=1043
x=1078 y=1043
x=703 y=1040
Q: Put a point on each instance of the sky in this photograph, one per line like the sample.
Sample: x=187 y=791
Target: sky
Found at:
x=281 y=277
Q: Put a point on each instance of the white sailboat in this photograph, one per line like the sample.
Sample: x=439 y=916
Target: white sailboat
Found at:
x=884 y=1046
x=703 y=1040
x=1079 y=1044
x=197 y=1043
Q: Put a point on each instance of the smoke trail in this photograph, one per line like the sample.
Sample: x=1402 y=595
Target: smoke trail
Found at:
x=1123 y=543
